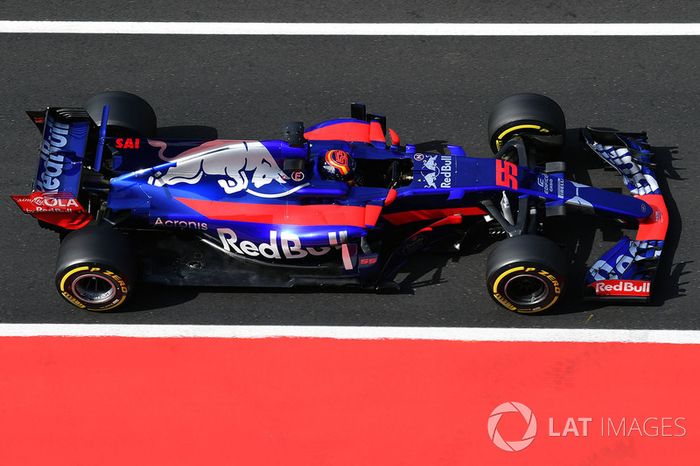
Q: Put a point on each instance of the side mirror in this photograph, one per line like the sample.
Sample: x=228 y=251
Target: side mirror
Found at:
x=358 y=111
x=294 y=133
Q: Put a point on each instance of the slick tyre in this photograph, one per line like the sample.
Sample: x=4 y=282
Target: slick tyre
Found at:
x=96 y=269
x=129 y=114
x=534 y=116
x=526 y=274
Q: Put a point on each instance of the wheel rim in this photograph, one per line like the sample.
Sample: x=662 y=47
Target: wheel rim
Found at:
x=93 y=288
x=526 y=290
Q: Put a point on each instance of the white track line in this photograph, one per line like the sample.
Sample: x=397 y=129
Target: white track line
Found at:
x=353 y=29
x=353 y=333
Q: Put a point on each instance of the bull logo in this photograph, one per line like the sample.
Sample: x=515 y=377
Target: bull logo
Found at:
x=430 y=163
x=430 y=179
x=236 y=165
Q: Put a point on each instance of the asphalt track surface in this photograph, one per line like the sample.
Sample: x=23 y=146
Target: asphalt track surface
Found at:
x=430 y=88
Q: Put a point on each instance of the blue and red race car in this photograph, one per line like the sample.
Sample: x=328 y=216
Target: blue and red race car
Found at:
x=339 y=203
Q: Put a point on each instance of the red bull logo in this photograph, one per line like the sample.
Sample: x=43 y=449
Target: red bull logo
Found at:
x=52 y=160
x=622 y=288
x=284 y=245
x=433 y=168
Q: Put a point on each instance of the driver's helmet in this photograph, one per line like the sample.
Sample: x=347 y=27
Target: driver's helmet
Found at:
x=338 y=165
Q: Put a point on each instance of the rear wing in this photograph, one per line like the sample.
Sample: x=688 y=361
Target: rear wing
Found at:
x=54 y=197
x=627 y=270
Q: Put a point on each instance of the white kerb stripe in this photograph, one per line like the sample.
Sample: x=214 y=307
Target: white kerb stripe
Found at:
x=354 y=333
x=352 y=29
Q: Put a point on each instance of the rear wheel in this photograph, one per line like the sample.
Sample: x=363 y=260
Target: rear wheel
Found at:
x=96 y=269
x=534 y=116
x=129 y=114
x=526 y=273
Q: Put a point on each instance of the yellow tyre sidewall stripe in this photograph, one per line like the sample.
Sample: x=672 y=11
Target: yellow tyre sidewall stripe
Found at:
x=65 y=277
x=509 y=305
x=120 y=282
x=507 y=131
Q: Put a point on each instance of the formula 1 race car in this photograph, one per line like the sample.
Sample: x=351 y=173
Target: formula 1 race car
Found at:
x=339 y=203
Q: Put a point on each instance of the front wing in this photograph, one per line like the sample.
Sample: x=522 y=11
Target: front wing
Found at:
x=627 y=270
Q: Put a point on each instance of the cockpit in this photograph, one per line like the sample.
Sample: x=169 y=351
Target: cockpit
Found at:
x=340 y=165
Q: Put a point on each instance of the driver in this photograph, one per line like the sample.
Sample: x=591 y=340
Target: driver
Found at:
x=339 y=165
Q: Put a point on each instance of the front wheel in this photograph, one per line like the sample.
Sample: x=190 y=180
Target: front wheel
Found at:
x=526 y=273
x=95 y=269
x=534 y=116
